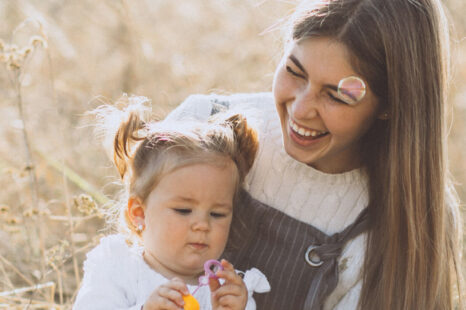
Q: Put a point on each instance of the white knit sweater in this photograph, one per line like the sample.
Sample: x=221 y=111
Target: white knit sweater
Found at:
x=329 y=202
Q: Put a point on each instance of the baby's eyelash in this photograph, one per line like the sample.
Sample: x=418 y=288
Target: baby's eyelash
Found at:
x=182 y=211
x=215 y=214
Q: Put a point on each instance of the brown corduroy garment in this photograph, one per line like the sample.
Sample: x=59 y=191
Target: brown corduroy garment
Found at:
x=276 y=244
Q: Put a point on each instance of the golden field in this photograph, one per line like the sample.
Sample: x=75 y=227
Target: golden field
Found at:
x=59 y=59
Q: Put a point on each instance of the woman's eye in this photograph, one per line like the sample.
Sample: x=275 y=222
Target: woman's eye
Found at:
x=292 y=72
x=182 y=211
x=336 y=99
x=217 y=214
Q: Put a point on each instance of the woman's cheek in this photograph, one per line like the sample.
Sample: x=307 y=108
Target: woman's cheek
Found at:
x=281 y=87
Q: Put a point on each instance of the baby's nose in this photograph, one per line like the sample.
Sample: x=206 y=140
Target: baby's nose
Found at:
x=201 y=223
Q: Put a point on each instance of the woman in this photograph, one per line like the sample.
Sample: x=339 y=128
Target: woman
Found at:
x=360 y=95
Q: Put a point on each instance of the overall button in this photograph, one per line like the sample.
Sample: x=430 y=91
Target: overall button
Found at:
x=312 y=258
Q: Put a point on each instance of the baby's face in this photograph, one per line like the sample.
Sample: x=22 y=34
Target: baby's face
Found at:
x=187 y=218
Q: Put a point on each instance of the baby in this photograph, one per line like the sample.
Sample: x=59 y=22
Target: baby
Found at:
x=181 y=180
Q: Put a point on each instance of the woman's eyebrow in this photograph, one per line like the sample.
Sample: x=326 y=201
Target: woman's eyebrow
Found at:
x=297 y=63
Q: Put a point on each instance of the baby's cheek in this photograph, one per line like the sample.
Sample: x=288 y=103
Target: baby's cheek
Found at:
x=221 y=233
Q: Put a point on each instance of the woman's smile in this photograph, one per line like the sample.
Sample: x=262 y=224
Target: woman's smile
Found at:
x=304 y=136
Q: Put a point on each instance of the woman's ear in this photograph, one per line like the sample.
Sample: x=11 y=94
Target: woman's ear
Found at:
x=136 y=211
x=384 y=116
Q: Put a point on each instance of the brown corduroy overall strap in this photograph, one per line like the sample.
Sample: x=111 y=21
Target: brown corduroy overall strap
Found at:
x=276 y=243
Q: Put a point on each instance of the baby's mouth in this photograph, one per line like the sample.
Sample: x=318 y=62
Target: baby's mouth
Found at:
x=198 y=245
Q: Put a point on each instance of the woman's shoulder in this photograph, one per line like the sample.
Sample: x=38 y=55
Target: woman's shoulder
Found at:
x=262 y=99
x=201 y=107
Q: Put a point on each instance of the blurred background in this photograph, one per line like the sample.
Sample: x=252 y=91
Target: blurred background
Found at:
x=59 y=59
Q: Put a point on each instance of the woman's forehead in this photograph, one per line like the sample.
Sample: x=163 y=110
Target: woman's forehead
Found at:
x=322 y=56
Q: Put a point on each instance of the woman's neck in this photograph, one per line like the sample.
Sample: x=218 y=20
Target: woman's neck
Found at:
x=342 y=162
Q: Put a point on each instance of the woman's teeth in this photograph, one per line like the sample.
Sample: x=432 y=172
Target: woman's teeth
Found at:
x=306 y=132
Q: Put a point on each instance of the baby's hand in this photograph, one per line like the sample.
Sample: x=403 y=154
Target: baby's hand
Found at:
x=232 y=294
x=168 y=296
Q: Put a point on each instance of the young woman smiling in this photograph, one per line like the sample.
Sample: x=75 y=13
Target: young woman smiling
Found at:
x=349 y=203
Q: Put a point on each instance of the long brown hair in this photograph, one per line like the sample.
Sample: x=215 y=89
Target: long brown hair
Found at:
x=401 y=48
x=145 y=150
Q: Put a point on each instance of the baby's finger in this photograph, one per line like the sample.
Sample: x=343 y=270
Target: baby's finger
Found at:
x=158 y=302
x=230 y=289
x=214 y=284
x=226 y=265
x=178 y=285
x=230 y=276
x=171 y=295
x=227 y=300
x=230 y=297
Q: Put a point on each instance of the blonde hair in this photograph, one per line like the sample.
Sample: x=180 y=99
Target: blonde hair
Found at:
x=401 y=48
x=145 y=151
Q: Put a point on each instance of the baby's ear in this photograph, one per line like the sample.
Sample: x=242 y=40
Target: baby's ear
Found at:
x=135 y=211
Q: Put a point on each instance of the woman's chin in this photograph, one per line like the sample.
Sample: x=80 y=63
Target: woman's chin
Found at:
x=304 y=151
x=297 y=154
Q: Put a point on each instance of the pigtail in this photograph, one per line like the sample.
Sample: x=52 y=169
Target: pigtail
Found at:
x=246 y=143
x=121 y=126
x=126 y=136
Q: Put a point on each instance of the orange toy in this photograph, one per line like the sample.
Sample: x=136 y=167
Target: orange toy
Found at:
x=190 y=303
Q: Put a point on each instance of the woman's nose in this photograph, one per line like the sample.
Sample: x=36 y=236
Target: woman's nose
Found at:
x=305 y=105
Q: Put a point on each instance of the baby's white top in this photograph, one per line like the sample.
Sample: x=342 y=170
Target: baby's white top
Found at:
x=117 y=277
x=329 y=202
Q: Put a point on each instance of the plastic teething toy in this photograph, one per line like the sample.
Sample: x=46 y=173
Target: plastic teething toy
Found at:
x=210 y=268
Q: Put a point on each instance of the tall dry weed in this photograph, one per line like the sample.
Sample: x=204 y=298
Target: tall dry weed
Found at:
x=54 y=179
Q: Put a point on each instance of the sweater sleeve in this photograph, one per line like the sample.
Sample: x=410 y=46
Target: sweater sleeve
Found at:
x=195 y=107
x=351 y=261
x=106 y=282
x=201 y=107
x=351 y=299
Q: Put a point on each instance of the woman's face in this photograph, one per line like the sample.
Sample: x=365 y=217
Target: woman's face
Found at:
x=318 y=128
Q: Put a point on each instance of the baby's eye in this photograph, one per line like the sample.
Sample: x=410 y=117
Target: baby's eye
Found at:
x=292 y=72
x=218 y=214
x=183 y=211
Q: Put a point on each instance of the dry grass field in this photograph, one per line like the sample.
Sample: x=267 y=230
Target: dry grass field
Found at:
x=59 y=59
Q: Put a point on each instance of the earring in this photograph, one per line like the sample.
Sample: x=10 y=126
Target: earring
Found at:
x=139 y=228
x=384 y=116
